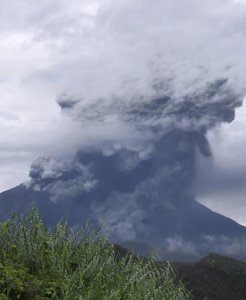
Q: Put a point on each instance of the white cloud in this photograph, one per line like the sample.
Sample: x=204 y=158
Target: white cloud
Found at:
x=222 y=183
x=238 y=1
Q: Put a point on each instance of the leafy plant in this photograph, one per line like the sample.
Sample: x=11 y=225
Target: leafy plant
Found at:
x=37 y=263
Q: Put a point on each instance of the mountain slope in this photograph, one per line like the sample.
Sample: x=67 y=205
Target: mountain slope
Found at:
x=214 y=278
x=186 y=231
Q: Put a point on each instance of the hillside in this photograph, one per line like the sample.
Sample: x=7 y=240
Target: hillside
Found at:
x=215 y=277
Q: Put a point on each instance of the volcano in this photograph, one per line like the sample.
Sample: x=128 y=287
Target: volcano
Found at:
x=147 y=207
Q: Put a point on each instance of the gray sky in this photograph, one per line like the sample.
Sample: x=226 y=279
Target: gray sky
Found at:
x=115 y=49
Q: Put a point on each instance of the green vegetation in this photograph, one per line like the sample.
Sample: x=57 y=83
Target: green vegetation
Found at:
x=214 y=277
x=36 y=263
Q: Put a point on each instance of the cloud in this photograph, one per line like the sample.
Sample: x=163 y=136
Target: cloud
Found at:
x=176 y=247
x=221 y=181
x=125 y=74
x=62 y=179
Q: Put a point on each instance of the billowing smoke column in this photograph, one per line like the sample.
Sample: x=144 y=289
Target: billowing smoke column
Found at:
x=145 y=82
x=142 y=192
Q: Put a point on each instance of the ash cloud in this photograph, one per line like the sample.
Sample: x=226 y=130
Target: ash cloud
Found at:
x=178 y=248
x=201 y=109
x=62 y=179
x=145 y=99
x=148 y=198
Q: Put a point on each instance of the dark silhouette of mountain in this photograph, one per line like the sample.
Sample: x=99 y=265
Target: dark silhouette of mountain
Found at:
x=215 y=277
x=22 y=199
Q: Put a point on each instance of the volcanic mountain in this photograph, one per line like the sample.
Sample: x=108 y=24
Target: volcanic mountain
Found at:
x=140 y=185
x=147 y=207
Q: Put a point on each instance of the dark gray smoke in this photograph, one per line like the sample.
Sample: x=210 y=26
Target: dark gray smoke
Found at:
x=144 y=194
x=62 y=179
x=205 y=108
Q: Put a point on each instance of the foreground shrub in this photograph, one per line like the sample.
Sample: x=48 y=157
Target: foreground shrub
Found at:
x=36 y=263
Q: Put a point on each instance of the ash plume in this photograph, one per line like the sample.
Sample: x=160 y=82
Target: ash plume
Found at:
x=144 y=99
x=138 y=195
x=62 y=179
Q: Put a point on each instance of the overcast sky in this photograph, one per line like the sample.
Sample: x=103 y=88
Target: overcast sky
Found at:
x=92 y=49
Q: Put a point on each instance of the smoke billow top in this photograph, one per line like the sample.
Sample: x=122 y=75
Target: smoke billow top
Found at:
x=147 y=83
